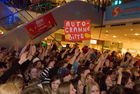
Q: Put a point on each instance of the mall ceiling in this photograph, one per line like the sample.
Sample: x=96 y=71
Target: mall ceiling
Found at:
x=128 y=33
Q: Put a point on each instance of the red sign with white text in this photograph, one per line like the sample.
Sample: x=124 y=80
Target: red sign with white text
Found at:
x=77 y=30
x=40 y=25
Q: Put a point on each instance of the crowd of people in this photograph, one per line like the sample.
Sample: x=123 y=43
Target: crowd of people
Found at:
x=39 y=69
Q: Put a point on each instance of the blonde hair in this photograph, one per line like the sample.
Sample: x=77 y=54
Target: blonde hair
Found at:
x=8 y=88
x=17 y=81
x=89 y=87
x=46 y=88
x=64 y=88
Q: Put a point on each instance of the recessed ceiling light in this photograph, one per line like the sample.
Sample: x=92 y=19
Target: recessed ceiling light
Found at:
x=131 y=29
x=106 y=31
x=134 y=39
x=119 y=41
x=137 y=34
x=125 y=34
x=114 y=36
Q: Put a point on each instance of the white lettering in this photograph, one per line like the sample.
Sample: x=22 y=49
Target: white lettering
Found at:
x=71 y=30
x=78 y=23
x=80 y=29
x=67 y=24
x=75 y=29
x=72 y=24
x=83 y=23
x=82 y=36
x=67 y=30
x=85 y=29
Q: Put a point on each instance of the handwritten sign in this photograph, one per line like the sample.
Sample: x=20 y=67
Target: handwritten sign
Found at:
x=77 y=30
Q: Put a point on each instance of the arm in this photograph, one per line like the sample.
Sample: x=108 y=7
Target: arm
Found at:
x=43 y=54
x=24 y=48
x=13 y=69
x=62 y=56
x=119 y=76
x=101 y=61
x=75 y=56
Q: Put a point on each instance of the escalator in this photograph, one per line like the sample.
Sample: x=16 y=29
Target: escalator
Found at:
x=76 y=10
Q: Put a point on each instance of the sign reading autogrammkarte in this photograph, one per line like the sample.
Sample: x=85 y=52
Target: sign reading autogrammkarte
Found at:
x=77 y=30
x=123 y=11
x=41 y=25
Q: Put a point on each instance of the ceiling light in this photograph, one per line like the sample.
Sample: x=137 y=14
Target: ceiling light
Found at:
x=114 y=36
x=125 y=34
x=134 y=39
x=136 y=34
x=107 y=31
x=131 y=29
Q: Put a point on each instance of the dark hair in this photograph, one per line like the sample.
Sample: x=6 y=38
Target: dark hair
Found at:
x=3 y=65
x=125 y=78
x=117 y=89
x=137 y=88
x=125 y=58
x=55 y=77
x=113 y=53
x=75 y=82
x=3 y=48
x=81 y=69
x=50 y=62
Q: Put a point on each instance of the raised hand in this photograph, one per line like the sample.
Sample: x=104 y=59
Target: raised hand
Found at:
x=32 y=49
x=77 y=51
x=23 y=58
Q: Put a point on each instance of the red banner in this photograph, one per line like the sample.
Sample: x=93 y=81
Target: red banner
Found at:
x=40 y=25
x=77 y=30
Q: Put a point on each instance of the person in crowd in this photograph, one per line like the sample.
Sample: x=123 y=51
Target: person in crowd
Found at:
x=33 y=90
x=117 y=89
x=55 y=82
x=38 y=66
x=92 y=88
x=78 y=85
x=17 y=81
x=45 y=76
x=9 y=88
x=66 y=88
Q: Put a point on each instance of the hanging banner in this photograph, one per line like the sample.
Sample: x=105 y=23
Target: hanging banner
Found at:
x=41 y=25
x=123 y=11
x=77 y=30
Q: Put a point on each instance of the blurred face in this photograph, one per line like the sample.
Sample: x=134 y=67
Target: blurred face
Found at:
x=68 y=57
x=89 y=79
x=80 y=87
x=55 y=85
x=33 y=73
x=113 y=76
x=86 y=72
x=39 y=65
x=108 y=81
x=67 y=78
x=95 y=90
x=72 y=70
x=129 y=84
x=1 y=55
x=72 y=89
x=51 y=64
x=91 y=66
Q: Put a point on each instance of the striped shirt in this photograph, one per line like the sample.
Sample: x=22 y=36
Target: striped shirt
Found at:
x=45 y=76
